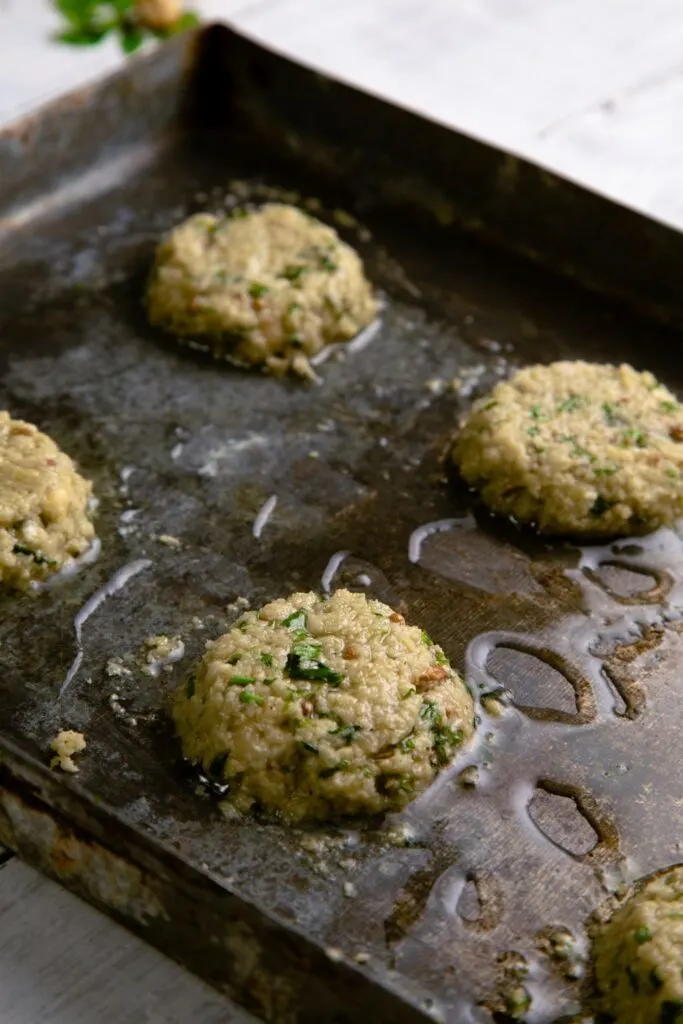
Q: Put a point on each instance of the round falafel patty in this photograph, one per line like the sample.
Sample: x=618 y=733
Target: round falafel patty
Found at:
x=577 y=448
x=272 y=286
x=44 y=522
x=317 y=708
x=639 y=954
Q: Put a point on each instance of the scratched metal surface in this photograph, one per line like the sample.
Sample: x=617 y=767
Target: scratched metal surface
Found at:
x=590 y=653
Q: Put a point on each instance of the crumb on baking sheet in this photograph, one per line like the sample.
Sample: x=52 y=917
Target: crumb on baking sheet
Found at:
x=65 y=745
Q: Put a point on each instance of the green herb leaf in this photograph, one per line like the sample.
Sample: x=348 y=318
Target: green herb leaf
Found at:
x=294 y=271
x=570 y=404
x=297 y=620
x=234 y=658
x=256 y=290
x=306 y=650
x=605 y=470
x=266 y=659
x=268 y=682
x=132 y=38
x=536 y=413
x=669 y=406
x=610 y=415
x=297 y=667
x=441 y=658
x=673 y=473
x=492 y=404
x=21 y=549
x=249 y=697
x=345 y=732
x=83 y=36
x=310 y=747
x=635 y=437
x=241 y=680
x=426 y=639
x=429 y=711
x=601 y=505
x=408 y=693
x=327 y=264
x=407 y=745
x=642 y=934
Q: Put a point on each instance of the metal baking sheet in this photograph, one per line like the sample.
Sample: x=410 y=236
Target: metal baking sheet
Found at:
x=439 y=913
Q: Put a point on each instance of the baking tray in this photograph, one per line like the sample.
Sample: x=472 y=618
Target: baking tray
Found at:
x=439 y=913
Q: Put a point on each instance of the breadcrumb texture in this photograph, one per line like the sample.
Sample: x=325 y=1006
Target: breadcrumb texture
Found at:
x=65 y=745
x=272 y=287
x=44 y=521
x=639 y=954
x=322 y=708
x=577 y=448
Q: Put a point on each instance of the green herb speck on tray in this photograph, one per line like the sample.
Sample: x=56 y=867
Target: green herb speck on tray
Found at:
x=88 y=22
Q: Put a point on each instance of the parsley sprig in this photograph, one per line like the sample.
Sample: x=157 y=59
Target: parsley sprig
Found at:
x=88 y=22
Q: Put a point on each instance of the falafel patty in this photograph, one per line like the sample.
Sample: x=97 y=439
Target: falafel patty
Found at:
x=577 y=448
x=639 y=954
x=317 y=708
x=44 y=521
x=272 y=286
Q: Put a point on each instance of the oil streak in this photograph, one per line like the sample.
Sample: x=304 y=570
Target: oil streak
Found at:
x=112 y=586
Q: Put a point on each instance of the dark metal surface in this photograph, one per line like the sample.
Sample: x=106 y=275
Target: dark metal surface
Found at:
x=565 y=802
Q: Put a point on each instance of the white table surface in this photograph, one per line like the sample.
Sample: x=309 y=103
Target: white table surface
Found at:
x=592 y=89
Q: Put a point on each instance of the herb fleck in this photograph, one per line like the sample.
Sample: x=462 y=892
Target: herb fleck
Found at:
x=634 y=437
x=441 y=658
x=310 y=747
x=570 y=404
x=346 y=733
x=21 y=549
x=301 y=666
x=429 y=711
x=268 y=682
x=266 y=659
x=426 y=639
x=294 y=271
x=408 y=693
x=241 y=680
x=407 y=745
x=606 y=470
x=642 y=934
x=249 y=697
x=536 y=413
x=233 y=659
x=669 y=406
x=256 y=290
x=327 y=264
x=327 y=773
x=297 y=620
x=601 y=505
x=673 y=473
